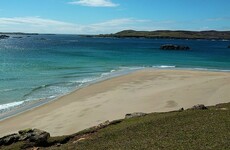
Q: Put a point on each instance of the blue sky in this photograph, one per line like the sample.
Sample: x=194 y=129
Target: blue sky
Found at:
x=109 y=16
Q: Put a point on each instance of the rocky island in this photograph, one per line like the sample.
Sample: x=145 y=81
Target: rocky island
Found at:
x=4 y=37
x=18 y=33
x=174 y=47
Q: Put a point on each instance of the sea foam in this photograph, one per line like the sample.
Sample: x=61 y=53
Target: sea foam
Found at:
x=10 y=105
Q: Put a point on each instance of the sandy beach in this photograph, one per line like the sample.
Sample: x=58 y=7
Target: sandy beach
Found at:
x=141 y=91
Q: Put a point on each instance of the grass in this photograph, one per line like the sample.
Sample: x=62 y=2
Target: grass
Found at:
x=178 y=130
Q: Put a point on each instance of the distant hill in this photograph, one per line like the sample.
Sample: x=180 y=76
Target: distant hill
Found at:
x=180 y=34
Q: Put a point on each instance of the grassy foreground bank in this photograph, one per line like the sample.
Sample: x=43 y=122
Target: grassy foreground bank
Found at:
x=188 y=129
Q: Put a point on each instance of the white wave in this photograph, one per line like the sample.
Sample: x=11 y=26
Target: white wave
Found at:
x=163 y=66
x=108 y=73
x=85 y=80
x=119 y=71
x=52 y=97
x=130 y=68
x=105 y=74
x=206 y=69
x=6 y=90
x=10 y=105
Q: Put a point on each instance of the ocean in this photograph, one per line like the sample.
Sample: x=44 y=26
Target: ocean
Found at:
x=41 y=68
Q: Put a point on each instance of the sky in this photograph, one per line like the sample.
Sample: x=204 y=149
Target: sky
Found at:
x=111 y=16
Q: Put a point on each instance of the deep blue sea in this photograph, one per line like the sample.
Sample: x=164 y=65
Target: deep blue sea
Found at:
x=41 y=67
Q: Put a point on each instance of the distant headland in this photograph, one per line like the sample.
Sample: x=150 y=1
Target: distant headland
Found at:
x=18 y=33
x=168 y=34
x=158 y=34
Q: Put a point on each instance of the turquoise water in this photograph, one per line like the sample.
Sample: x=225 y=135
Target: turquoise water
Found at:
x=43 y=67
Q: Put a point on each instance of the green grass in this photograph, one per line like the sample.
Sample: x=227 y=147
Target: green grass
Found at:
x=199 y=129
x=189 y=129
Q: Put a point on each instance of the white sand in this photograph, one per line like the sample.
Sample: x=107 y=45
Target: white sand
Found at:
x=141 y=91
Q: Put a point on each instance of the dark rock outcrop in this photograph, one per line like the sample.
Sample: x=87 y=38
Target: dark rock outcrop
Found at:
x=36 y=136
x=199 y=107
x=181 y=109
x=229 y=46
x=9 y=139
x=4 y=36
x=104 y=124
x=174 y=47
x=136 y=114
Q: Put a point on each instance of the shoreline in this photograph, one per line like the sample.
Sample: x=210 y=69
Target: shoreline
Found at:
x=30 y=105
x=102 y=92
